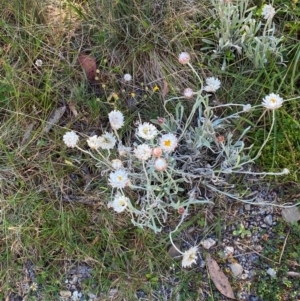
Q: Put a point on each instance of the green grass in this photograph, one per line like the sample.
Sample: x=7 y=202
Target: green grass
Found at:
x=53 y=200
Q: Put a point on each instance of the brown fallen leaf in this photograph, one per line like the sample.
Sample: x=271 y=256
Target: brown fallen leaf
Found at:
x=219 y=278
x=72 y=107
x=54 y=118
x=165 y=89
x=88 y=63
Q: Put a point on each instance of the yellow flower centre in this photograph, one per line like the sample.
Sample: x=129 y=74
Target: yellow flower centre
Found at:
x=146 y=131
x=273 y=100
x=155 y=88
x=167 y=143
x=120 y=178
x=191 y=257
x=122 y=203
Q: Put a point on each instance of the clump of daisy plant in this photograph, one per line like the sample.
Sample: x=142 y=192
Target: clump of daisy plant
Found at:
x=173 y=161
x=240 y=31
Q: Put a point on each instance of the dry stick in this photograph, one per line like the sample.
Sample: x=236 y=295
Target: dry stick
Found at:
x=283 y=248
x=256 y=252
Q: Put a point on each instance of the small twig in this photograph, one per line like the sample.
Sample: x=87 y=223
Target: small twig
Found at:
x=283 y=248
x=256 y=252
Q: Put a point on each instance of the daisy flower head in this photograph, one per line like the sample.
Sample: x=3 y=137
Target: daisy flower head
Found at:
x=189 y=257
x=212 y=84
x=268 y=11
x=117 y=164
x=143 y=152
x=127 y=77
x=147 y=131
x=188 y=93
x=118 y=179
x=160 y=164
x=184 y=58
x=168 y=142
x=119 y=203
x=39 y=63
x=272 y=101
x=246 y=108
x=94 y=142
x=107 y=141
x=285 y=171
x=70 y=139
x=116 y=119
x=123 y=150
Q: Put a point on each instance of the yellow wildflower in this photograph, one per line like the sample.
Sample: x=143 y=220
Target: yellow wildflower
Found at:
x=155 y=88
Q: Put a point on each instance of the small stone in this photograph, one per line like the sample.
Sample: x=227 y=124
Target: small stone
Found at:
x=76 y=296
x=252 y=273
x=262 y=211
x=228 y=251
x=258 y=248
x=65 y=294
x=269 y=220
x=236 y=269
x=91 y=296
x=271 y=272
x=244 y=276
x=247 y=207
x=291 y=215
x=173 y=252
x=253 y=298
x=208 y=243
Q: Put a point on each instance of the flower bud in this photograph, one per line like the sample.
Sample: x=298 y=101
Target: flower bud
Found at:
x=188 y=93
x=157 y=152
x=116 y=164
x=184 y=58
x=181 y=210
x=221 y=139
x=160 y=120
x=160 y=164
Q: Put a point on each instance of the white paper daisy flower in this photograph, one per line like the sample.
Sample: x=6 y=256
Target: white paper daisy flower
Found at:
x=189 y=257
x=268 y=11
x=39 y=63
x=117 y=164
x=168 y=142
x=94 y=142
x=70 y=139
x=119 y=203
x=147 y=131
x=107 y=141
x=247 y=108
x=116 y=119
x=127 y=77
x=285 y=171
x=272 y=101
x=160 y=164
x=184 y=58
x=212 y=84
x=188 y=93
x=118 y=179
x=143 y=152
